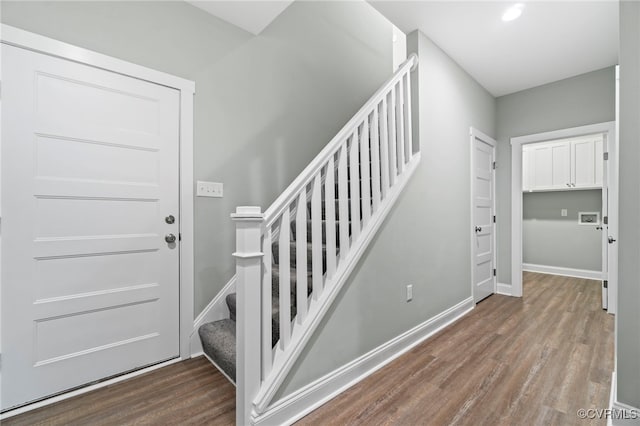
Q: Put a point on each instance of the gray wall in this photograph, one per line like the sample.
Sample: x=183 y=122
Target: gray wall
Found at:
x=550 y=239
x=424 y=241
x=628 y=317
x=264 y=105
x=577 y=101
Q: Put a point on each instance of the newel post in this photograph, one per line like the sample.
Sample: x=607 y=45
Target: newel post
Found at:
x=248 y=276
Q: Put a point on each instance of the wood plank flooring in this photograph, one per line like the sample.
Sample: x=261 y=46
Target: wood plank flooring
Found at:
x=529 y=361
x=188 y=392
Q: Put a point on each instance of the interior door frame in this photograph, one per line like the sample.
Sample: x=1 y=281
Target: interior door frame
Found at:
x=37 y=43
x=608 y=129
x=473 y=135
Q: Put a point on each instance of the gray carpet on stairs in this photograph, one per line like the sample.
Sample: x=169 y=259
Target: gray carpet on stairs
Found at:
x=219 y=337
x=219 y=343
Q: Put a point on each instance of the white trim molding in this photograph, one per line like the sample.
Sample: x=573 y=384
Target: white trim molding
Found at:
x=293 y=407
x=621 y=414
x=37 y=43
x=607 y=128
x=503 y=289
x=566 y=272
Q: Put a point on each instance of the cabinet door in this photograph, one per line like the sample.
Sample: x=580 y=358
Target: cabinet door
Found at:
x=583 y=165
x=542 y=173
x=587 y=163
x=561 y=165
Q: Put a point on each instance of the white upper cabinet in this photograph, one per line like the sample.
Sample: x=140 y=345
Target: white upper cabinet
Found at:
x=567 y=164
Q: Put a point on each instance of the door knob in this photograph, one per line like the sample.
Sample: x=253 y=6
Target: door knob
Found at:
x=170 y=238
x=611 y=240
x=170 y=219
x=478 y=229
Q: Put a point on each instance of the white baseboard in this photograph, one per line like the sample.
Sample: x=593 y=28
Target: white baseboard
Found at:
x=567 y=272
x=216 y=310
x=621 y=414
x=504 y=289
x=293 y=407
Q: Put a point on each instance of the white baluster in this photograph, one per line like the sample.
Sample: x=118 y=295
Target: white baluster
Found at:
x=400 y=123
x=407 y=118
x=354 y=176
x=267 y=277
x=384 y=148
x=316 y=236
x=365 y=172
x=393 y=165
x=248 y=280
x=284 y=265
x=343 y=200
x=330 y=216
x=375 y=160
x=301 y=257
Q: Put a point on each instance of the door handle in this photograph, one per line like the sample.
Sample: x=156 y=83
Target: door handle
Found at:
x=170 y=219
x=478 y=229
x=611 y=240
x=170 y=238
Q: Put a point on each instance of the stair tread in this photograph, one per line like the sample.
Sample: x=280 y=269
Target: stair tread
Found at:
x=219 y=343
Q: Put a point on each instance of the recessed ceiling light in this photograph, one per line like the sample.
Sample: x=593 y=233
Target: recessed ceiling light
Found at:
x=513 y=12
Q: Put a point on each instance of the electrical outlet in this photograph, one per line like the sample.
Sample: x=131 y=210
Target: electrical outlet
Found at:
x=209 y=189
x=563 y=212
x=409 y=293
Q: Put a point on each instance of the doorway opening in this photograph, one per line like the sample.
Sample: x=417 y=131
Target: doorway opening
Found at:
x=564 y=206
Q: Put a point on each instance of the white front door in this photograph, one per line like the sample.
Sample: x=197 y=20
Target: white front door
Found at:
x=89 y=173
x=483 y=210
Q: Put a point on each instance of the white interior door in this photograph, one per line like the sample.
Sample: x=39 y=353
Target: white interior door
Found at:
x=89 y=173
x=483 y=210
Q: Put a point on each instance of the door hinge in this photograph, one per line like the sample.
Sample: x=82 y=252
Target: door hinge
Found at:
x=605 y=284
x=494 y=272
x=605 y=155
x=605 y=220
x=494 y=165
x=494 y=218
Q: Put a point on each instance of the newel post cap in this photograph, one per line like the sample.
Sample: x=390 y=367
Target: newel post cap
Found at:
x=248 y=213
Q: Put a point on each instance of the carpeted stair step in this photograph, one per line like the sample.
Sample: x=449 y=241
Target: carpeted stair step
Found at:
x=337 y=209
x=275 y=315
x=293 y=278
x=275 y=252
x=219 y=343
x=323 y=233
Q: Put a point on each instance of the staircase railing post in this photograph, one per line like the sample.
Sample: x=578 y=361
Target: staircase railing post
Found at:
x=248 y=277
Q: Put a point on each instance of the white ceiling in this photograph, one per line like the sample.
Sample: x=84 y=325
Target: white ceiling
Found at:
x=552 y=40
x=252 y=16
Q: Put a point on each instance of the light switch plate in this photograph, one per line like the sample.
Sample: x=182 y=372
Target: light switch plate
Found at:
x=209 y=189
x=563 y=212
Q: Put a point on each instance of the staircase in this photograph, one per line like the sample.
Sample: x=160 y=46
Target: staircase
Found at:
x=293 y=259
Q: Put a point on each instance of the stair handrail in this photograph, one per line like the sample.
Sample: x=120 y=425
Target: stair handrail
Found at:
x=288 y=195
